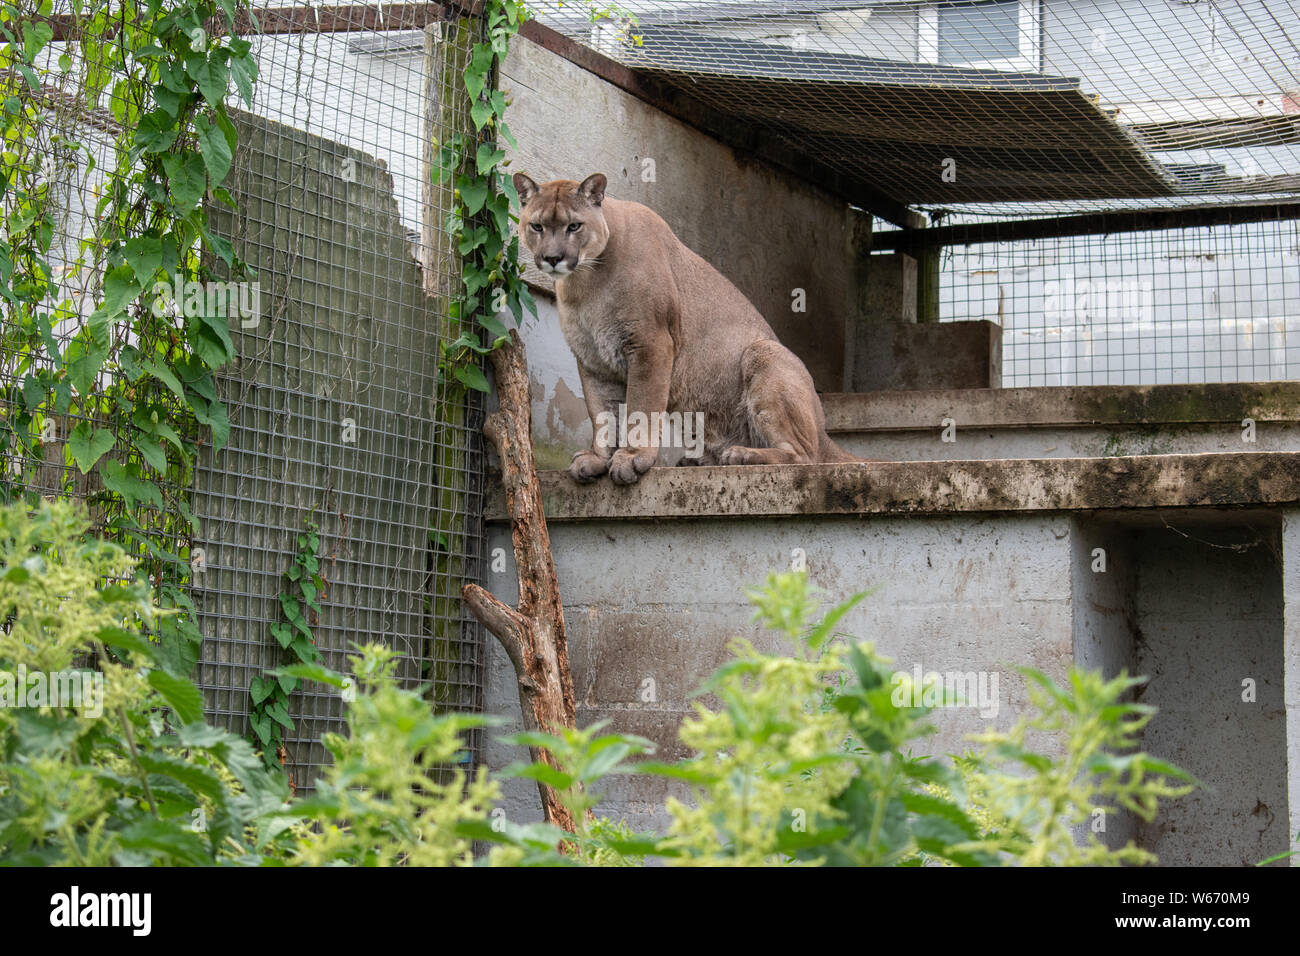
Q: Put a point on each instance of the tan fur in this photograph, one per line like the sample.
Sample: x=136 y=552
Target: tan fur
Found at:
x=655 y=326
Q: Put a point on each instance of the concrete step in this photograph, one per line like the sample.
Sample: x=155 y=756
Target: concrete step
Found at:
x=1099 y=421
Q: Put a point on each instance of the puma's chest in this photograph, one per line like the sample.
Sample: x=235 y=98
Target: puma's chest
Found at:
x=597 y=339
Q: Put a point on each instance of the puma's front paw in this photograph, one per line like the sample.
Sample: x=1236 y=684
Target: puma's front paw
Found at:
x=736 y=455
x=587 y=466
x=627 y=466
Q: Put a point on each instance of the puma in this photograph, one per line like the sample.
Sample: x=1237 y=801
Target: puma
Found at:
x=656 y=328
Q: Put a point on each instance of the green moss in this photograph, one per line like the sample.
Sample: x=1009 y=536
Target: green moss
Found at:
x=1114 y=447
x=551 y=456
x=1218 y=402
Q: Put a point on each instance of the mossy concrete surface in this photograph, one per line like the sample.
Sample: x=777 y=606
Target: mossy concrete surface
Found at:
x=931 y=487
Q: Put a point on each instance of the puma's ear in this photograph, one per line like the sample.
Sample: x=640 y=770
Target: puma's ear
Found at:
x=526 y=188
x=593 y=188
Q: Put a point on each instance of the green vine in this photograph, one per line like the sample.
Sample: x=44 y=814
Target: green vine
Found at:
x=300 y=604
x=481 y=219
x=107 y=370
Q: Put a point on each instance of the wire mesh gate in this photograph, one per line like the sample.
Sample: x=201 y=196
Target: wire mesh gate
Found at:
x=338 y=415
x=1196 y=304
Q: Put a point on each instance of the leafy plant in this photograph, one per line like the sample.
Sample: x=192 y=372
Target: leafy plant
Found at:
x=789 y=768
x=587 y=757
x=803 y=760
x=395 y=793
x=1034 y=799
x=481 y=220
x=133 y=777
x=299 y=605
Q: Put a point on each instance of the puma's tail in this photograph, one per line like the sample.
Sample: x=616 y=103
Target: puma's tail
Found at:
x=831 y=453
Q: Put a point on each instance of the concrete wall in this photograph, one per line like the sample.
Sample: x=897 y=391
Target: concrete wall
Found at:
x=1208 y=606
x=561 y=425
x=660 y=601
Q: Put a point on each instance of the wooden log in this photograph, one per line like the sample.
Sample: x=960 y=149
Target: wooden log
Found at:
x=532 y=634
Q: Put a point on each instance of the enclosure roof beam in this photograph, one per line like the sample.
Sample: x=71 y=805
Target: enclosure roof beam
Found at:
x=308 y=18
x=378 y=17
x=1088 y=224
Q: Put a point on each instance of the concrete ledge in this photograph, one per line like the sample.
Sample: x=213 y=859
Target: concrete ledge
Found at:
x=929 y=487
x=1063 y=406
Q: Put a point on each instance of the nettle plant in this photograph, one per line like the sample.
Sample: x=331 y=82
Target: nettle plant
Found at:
x=110 y=383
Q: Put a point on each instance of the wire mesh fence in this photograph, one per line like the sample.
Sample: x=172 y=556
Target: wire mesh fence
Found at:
x=1207 y=304
x=339 y=417
x=994 y=113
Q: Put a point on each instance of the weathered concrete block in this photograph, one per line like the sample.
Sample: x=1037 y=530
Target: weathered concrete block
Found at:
x=1266 y=479
x=1094 y=421
x=926 y=355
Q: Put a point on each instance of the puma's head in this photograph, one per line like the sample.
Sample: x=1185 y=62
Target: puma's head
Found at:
x=561 y=222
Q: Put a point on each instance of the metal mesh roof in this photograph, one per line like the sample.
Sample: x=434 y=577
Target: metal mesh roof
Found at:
x=993 y=107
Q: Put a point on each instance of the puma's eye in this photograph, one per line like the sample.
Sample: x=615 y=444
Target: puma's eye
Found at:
x=574 y=226
x=536 y=226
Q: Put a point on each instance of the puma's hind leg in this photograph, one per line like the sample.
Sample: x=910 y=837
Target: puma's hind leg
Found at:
x=784 y=412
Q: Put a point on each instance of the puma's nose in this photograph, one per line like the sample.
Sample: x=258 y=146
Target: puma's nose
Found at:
x=552 y=260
